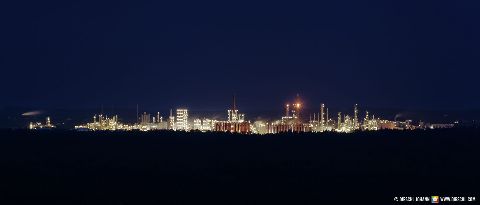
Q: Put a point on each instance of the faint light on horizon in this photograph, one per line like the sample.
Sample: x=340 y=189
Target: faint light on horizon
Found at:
x=32 y=113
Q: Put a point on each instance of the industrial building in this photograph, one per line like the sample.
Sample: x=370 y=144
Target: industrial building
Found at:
x=181 y=122
x=235 y=122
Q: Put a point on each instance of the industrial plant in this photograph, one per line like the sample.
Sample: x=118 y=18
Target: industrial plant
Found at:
x=41 y=126
x=294 y=120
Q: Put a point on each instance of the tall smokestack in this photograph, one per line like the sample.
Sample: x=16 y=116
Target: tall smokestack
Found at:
x=327 y=117
x=339 y=123
x=355 y=117
x=287 y=110
x=234 y=106
x=322 y=120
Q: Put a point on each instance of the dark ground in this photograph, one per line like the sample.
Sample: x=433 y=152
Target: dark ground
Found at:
x=67 y=167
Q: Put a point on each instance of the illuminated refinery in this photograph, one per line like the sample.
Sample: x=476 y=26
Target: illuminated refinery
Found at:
x=295 y=119
x=39 y=126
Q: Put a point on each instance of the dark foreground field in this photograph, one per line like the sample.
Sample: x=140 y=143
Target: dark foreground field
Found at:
x=66 y=167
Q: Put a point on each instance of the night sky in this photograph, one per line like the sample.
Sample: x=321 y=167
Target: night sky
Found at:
x=166 y=54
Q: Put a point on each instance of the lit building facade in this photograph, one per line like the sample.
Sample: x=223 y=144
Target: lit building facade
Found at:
x=182 y=120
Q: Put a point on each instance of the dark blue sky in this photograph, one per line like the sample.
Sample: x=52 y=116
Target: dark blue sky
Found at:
x=401 y=54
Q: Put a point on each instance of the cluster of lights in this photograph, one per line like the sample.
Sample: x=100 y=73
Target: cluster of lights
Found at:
x=235 y=122
x=40 y=126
